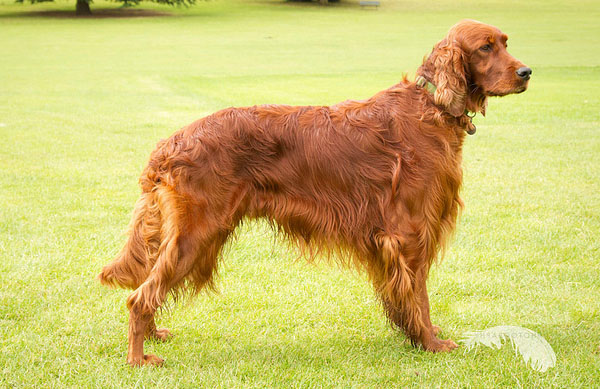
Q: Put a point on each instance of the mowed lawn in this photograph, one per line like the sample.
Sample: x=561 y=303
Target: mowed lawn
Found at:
x=83 y=102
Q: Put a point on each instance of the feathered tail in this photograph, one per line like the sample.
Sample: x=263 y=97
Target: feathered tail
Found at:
x=133 y=264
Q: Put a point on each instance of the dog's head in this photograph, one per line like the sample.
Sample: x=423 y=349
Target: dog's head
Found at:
x=470 y=64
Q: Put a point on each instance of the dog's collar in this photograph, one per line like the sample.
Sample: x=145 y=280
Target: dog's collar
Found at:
x=470 y=126
x=422 y=82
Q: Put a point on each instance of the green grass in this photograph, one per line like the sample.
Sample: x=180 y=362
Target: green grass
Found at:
x=83 y=102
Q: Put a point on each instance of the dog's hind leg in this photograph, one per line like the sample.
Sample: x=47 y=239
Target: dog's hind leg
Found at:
x=146 y=299
x=177 y=254
x=194 y=260
x=161 y=334
x=138 y=321
x=191 y=242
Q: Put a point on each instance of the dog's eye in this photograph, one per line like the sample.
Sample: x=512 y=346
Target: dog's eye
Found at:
x=486 y=48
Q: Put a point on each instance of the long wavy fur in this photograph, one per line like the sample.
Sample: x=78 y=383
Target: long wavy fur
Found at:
x=374 y=182
x=285 y=163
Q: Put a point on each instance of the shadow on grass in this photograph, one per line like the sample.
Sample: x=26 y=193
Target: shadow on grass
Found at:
x=108 y=13
x=220 y=352
x=315 y=4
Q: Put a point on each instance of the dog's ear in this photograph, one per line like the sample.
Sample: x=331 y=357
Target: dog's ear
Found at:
x=445 y=68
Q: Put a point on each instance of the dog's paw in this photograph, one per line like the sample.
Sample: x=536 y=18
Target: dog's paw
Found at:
x=153 y=360
x=436 y=330
x=159 y=334
x=439 y=345
x=147 y=360
x=162 y=334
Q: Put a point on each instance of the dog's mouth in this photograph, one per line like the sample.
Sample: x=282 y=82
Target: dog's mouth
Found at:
x=518 y=90
x=522 y=87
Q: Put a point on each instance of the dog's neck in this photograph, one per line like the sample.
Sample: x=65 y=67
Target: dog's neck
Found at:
x=423 y=83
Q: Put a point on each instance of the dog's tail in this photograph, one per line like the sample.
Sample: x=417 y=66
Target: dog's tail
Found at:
x=133 y=264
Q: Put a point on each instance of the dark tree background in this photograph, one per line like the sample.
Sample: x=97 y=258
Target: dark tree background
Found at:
x=82 y=7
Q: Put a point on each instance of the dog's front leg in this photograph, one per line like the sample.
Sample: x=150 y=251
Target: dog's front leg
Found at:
x=428 y=336
x=400 y=279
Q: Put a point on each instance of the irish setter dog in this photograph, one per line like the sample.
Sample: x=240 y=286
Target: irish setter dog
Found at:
x=374 y=182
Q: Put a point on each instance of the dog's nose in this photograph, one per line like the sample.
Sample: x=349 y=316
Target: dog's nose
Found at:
x=524 y=73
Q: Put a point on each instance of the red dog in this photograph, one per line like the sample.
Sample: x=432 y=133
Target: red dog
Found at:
x=376 y=181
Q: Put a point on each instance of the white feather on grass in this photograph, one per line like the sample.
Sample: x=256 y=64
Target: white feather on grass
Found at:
x=532 y=346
